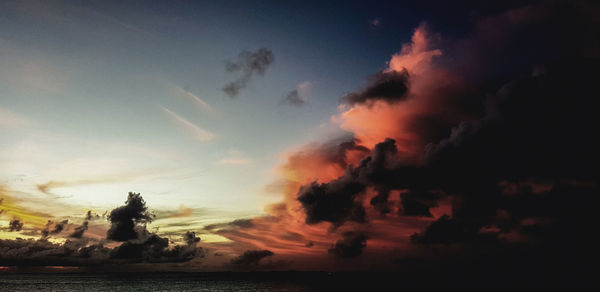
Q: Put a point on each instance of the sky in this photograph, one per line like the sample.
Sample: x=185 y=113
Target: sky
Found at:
x=293 y=135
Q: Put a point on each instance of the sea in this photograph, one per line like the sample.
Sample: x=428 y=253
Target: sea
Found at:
x=175 y=282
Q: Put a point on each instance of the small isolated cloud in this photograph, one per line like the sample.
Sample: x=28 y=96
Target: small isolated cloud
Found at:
x=375 y=23
x=248 y=64
x=185 y=92
x=15 y=225
x=196 y=132
x=251 y=257
x=297 y=97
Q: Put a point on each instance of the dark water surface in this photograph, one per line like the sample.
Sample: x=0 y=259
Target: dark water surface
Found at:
x=169 y=282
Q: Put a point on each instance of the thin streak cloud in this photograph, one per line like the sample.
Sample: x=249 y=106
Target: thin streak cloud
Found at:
x=203 y=105
x=197 y=132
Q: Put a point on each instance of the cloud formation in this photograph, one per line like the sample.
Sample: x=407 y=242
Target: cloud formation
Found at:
x=139 y=245
x=248 y=64
x=298 y=96
x=351 y=245
x=15 y=225
x=194 y=130
x=251 y=257
x=467 y=143
x=128 y=221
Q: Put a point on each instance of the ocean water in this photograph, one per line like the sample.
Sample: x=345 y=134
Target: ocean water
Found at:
x=154 y=282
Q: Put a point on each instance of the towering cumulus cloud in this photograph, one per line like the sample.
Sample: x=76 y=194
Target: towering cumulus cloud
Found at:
x=480 y=144
x=125 y=219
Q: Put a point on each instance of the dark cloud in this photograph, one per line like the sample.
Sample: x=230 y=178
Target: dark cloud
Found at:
x=58 y=227
x=351 y=245
x=190 y=238
x=390 y=86
x=237 y=223
x=530 y=125
x=126 y=220
x=91 y=216
x=418 y=203
x=248 y=64
x=79 y=230
x=339 y=201
x=30 y=252
x=293 y=98
x=156 y=249
x=15 y=225
x=251 y=257
x=334 y=202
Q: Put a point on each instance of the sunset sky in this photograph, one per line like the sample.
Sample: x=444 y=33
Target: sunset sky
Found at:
x=290 y=135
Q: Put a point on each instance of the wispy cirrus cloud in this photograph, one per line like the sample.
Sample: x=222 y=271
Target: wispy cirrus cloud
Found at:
x=194 y=130
x=184 y=92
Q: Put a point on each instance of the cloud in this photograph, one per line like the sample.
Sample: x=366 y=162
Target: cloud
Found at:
x=248 y=64
x=125 y=220
x=388 y=86
x=251 y=257
x=203 y=105
x=79 y=230
x=58 y=228
x=156 y=249
x=238 y=223
x=15 y=225
x=195 y=131
x=297 y=97
x=450 y=134
x=351 y=245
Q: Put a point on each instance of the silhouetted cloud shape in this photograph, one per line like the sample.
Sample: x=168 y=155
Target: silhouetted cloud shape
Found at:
x=389 y=86
x=58 y=227
x=79 y=230
x=125 y=219
x=293 y=98
x=190 y=238
x=156 y=249
x=237 y=223
x=248 y=64
x=337 y=200
x=15 y=225
x=251 y=257
x=351 y=245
